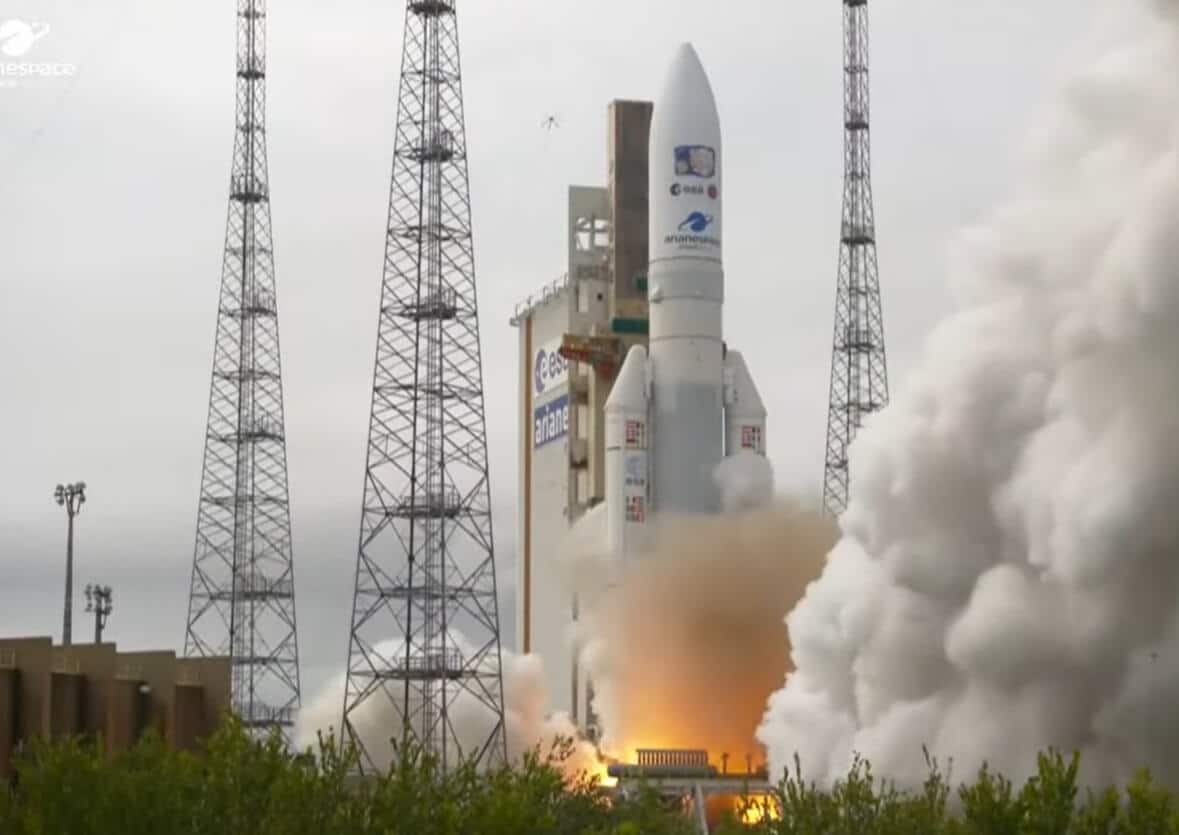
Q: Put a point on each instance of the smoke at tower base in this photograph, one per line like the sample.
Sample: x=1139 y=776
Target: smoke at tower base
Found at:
x=1008 y=578
x=527 y=719
x=684 y=646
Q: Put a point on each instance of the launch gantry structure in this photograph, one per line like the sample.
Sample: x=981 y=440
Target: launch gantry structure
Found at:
x=242 y=600
x=425 y=634
x=859 y=368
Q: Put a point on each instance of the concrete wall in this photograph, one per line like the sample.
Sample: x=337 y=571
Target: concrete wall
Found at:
x=214 y=677
x=188 y=725
x=9 y=684
x=125 y=714
x=67 y=704
x=156 y=673
x=96 y=663
x=590 y=235
x=33 y=659
x=91 y=690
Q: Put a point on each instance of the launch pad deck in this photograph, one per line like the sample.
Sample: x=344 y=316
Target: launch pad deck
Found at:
x=687 y=776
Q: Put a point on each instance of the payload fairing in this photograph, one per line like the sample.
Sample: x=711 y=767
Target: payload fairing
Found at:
x=678 y=409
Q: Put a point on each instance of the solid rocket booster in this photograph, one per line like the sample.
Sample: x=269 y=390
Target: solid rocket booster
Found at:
x=680 y=406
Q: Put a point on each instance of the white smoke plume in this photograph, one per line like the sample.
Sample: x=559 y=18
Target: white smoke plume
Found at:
x=746 y=481
x=526 y=716
x=683 y=645
x=1008 y=576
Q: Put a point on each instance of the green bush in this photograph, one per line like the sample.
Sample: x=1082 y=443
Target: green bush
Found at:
x=241 y=787
x=1046 y=805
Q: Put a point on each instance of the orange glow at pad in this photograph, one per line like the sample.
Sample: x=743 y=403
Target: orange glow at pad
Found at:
x=759 y=809
x=687 y=645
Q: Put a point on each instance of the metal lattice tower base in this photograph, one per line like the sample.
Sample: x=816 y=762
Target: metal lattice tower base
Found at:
x=242 y=602
x=859 y=369
x=424 y=654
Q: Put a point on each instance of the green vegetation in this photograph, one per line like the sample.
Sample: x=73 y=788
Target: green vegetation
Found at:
x=1050 y=803
x=239 y=787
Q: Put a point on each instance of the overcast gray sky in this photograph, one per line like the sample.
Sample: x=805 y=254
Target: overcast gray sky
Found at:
x=112 y=210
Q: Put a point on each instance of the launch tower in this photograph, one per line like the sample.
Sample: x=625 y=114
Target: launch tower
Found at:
x=425 y=633
x=859 y=370
x=242 y=601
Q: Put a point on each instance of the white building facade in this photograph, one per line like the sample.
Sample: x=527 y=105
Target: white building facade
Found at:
x=557 y=424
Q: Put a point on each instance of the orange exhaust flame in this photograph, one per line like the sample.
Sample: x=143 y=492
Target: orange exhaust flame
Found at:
x=757 y=810
x=686 y=648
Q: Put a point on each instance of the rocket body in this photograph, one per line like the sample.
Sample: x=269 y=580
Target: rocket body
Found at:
x=684 y=403
x=685 y=291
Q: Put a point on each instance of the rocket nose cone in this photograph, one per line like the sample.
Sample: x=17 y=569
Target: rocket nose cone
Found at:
x=686 y=60
x=687 y=84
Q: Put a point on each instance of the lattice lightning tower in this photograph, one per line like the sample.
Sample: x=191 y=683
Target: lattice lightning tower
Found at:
x=425 y=634
x=242 y=602
x=859 y=369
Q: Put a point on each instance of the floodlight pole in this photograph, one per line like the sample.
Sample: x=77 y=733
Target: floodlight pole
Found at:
x=71 y=497
x=98 y=601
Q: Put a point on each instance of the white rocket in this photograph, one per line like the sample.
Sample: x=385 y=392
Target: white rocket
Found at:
x=674 y=413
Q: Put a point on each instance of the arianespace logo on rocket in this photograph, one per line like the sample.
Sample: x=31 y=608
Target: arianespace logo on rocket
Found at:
x=692 y=233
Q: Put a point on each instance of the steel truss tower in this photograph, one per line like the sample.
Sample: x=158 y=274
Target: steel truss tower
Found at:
x=859 y=369
x=242 y=602
x=425 y=639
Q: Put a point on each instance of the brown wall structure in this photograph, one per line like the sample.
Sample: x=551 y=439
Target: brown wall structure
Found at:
x=630 y=133
x=213 y=677
x=628 y=188
x=94 y=691
x=95 y=663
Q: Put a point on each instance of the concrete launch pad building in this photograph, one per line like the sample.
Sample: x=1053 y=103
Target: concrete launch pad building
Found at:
x=574 y=334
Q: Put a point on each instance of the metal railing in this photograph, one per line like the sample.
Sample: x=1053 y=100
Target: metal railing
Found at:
x=672 y=757
x=259 y=714
x=541 y=296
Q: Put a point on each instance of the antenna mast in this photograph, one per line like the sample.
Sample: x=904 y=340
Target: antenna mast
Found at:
x=242 y=601
x=859 y=369
x=425 y=634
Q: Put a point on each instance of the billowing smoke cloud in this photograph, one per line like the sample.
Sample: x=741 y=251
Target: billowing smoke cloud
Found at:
x=1008 y=577
x=746 y=481
x=528 y=721
x=684 y=645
